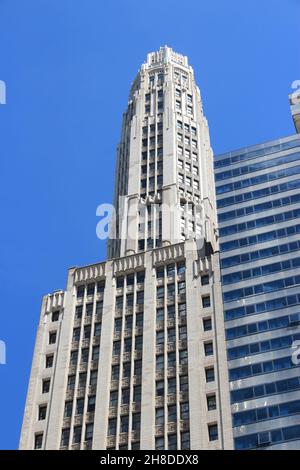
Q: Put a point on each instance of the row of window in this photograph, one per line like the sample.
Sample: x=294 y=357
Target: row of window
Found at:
x=262 y=347
x=259 y=254
x=153 y=127
x=268 y=191
x=262 y=326
x=266 y=367
x=269 y=305
x=86 y=332
x=171 y=312
x=260 y=238
x=267 y=438
x=263 y=288
x=130 y=279
x=186 y=127
x=258 y=223
x=265 y=413
x=152 y=153
x=262 y=165
x=264 y=206
x=263 y=390
x=261 y=270
x=89 y=308
x=256 y=153
x=82 y=379
x=259 y=179
x=90 y=289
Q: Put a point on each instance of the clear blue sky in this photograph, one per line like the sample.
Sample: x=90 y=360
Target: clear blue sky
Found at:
x=68 y=65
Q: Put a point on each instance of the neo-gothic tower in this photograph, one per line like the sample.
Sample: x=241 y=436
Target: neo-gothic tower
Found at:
x=164 y=171
x=132 y=354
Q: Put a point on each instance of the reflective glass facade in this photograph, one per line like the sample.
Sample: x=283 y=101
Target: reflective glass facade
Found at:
x=258 y=202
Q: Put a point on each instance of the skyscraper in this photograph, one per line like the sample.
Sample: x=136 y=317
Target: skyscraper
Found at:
x=258 y=204
x=132 y=354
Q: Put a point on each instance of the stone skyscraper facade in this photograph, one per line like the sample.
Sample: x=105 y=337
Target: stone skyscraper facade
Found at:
x=132 y=355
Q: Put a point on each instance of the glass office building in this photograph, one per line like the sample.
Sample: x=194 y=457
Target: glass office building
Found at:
x=258 y=201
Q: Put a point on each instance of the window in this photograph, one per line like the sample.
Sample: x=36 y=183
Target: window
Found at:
x=87 y=332
x=89 y=310
x=160 y=362
x=78 y=311
x=159 y=388
x=139 y=343
x=97 y=330
x=205 y=280
x=171 y=312
x=126 y=369
x=71 y=382
x=128 y=322
x=93 y=377
x=140 y=297
x=171 y=385
x=159 y=443
x=115 y=371
x=127 y=345
x=129 y=300
x=46 y=386
x=77 y=435
x=95 y=353
x=118 y=325
x=171 y=335
x=74 y=358
x=65 y=437
x=89 y=431
x=124 y=423
x=206 y=301
x=100 y=287
x=213 y=432
x=125 y=396
x=183 y=357
x=160 y=292
x=184 y=383
x=185 y=411
x=80 y=292
x=112 y=426
x=171 y=359
x=76 y=334
x=137 y=367
x=113 y=398
x=207 y=324
x=42 y=412
x=139 y=319
x=99 y=309
x=91 y=404
x=136 y=421
x=84 y=355
x=68 y=409
x=172 y=413
x=49 y=361
x=137 y=393
x=38 y=441
x=160 y=272
x=185 y=440
x=208 y=349
x=210 y=374
x=120 y=281
x=160 y=337
x=55 y=316
x=82 y=380
x=90 y=289
x=211 y=402
x=182 y=332
x=159 y=416
x=80 y=406
x=172 y=442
